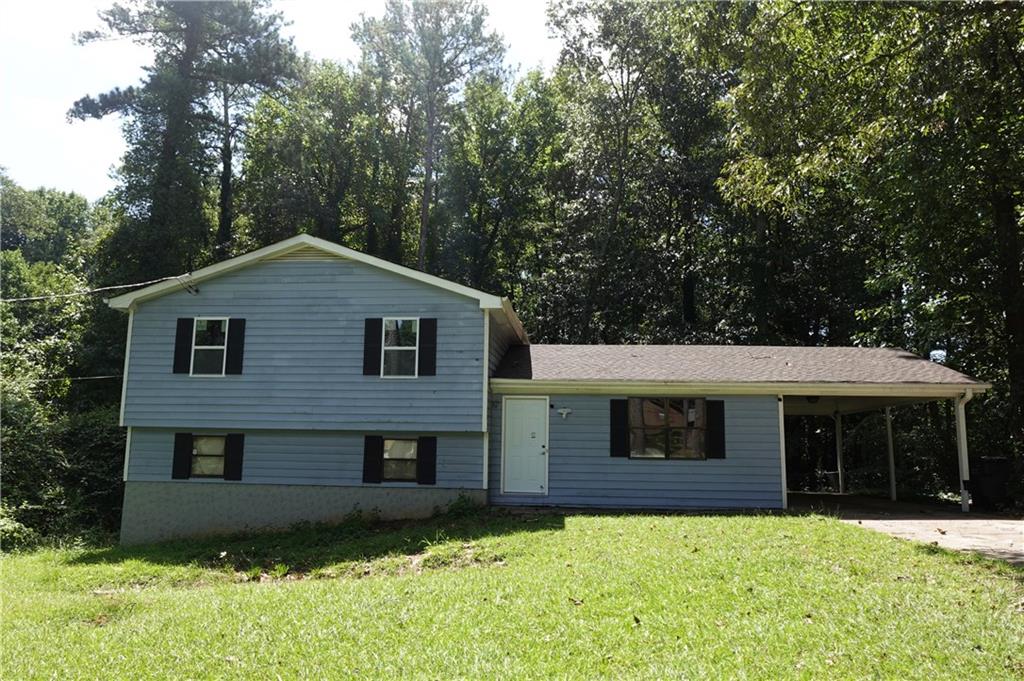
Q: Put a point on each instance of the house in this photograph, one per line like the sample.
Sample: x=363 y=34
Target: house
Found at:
x=305 y=380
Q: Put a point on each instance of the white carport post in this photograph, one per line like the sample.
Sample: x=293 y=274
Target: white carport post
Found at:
x=839 y=451
x=961 y=450
x=892 y=454
x=782 y=450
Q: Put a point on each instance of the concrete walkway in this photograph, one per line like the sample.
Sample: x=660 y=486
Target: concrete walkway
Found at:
x=994 y=536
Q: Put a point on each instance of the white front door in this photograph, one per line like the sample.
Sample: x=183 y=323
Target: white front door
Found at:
x=525 y=445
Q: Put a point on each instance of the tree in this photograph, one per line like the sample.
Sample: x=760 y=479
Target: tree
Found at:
x=435 y=46
x=302 y=169
x=211 y=58
x=492 y=164
x=45 y=224
x=909 y=117
x=639 y=218
x=38 y=342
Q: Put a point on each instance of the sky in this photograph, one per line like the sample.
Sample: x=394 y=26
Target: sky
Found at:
x=43 y=71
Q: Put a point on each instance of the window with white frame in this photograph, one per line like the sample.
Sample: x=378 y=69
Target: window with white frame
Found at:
x=209 y=346
x=399 y=347
x=399 y=461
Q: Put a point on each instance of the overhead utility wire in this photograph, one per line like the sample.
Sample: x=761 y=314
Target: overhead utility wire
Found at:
x=95 y=290
x=71 y=378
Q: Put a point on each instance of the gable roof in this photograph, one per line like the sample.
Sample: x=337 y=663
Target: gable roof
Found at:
x=306 y=247
x=767 y=366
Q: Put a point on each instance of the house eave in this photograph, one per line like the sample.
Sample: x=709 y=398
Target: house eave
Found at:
x=510 y=386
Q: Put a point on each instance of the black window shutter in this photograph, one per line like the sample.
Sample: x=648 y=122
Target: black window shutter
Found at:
x=372 y=336
x=236 y=346
x=373 y=458
x=183 y=346
x=428 y=347
x=234 y=445
x=716 y=429
x=619 y=428
x=181 y=469
x=426 y=461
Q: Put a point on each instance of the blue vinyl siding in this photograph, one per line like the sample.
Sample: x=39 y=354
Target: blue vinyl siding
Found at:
x=582 y=473
x=307 y=458
x=304 y=354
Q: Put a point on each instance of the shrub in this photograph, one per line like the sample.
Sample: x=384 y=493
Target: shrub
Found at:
x=14 y=535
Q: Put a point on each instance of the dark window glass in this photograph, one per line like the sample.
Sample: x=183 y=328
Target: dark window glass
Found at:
x=400 y=333
x=399 y=362
x=208 y=362
x=647 y=443
x=667 y=428
x=210 y=332
x=686 y=443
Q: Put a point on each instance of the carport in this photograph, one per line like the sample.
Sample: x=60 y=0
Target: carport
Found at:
x=911 y=380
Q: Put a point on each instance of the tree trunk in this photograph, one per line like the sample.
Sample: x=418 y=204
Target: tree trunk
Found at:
x=393 y=238
x=373 y=213
x=1011 y=291
x=428 y=180
x=170 y=230
x=225 y=231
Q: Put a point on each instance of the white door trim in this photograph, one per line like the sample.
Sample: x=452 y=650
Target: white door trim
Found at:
x=547 y=439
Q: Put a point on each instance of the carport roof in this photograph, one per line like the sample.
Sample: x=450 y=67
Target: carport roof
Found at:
x=773 y=367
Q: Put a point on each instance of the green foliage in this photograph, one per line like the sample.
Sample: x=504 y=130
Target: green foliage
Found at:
x=92 y=446
x=13 y=534
x=211 y=61
x=61 y=456
x=894 y=133
x=44 y=224
x=38 y=338
x=431 y=48
x=304 y=171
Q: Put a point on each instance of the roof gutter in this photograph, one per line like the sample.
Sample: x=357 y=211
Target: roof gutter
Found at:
x=515 y=386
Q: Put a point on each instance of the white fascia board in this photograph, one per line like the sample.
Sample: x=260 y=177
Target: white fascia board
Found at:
x=127 y=300
x=511 y=386
x=513 y=322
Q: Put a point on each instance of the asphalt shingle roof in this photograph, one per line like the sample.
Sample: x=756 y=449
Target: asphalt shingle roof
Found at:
x=723 y=364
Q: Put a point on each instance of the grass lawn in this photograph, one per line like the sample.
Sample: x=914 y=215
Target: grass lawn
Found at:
x=496 y=595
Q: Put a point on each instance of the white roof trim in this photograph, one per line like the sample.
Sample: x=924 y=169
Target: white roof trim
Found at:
x=526 y=386
x=130 y=300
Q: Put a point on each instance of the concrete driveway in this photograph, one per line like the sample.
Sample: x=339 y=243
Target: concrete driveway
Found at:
x=994 y=536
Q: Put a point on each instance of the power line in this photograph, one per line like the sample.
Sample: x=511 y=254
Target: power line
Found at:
x=72 y=378
x=94 y=290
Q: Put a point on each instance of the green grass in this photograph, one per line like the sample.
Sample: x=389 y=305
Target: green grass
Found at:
x=495 y=595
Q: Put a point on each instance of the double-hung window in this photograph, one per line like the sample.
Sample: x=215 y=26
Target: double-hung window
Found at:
x=207 y=456
x=667 y=428
x=400 y=347
x=209 y=346
x=399 y=461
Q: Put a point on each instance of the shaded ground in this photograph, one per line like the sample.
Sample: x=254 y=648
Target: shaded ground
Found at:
x=994 y=536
